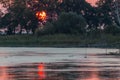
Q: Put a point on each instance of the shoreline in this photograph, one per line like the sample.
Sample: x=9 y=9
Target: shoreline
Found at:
x=58 y=40
x=62 y=46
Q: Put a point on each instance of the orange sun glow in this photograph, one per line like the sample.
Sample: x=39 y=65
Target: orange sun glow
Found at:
x=41 y=72
x=41 y=15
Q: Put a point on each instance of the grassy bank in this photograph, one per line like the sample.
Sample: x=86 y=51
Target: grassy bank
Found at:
x=58 y=40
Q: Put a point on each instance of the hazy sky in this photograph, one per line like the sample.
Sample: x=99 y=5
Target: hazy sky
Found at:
x=92 y=1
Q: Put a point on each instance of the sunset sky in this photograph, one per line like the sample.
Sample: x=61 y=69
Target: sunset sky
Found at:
x=92 y=2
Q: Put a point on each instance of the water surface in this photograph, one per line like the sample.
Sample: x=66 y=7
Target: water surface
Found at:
x=58 y=64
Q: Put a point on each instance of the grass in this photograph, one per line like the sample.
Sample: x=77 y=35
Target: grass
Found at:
x=57 y=40
x=114 y=53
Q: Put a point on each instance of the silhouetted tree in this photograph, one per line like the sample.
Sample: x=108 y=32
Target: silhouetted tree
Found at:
x=19 y=14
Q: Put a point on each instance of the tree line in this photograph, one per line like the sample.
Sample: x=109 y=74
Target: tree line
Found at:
x=63 y=16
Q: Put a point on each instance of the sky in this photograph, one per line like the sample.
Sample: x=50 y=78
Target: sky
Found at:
x=92 y=2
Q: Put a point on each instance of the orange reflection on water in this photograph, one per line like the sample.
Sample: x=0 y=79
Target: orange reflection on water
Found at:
x=3 y=73
x=41 y=71
x=94 y=74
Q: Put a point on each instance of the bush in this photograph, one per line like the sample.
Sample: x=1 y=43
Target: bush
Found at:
x=70 y=23
x=48 y=28
x=112 y=29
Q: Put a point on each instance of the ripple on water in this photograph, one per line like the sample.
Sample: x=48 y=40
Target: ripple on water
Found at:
x=30 y=65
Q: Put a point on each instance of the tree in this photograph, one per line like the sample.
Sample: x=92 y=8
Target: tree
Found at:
x=117 y=17
x=67 y=23
x=112 y=29
x=108 y=12
x=105 y=12
x=59 y=6
x=70 y=23
x=83 y=8
x=20 y=14
x=109 y=9
x=116 y=11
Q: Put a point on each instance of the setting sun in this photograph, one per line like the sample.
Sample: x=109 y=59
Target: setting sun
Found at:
x=41 y=15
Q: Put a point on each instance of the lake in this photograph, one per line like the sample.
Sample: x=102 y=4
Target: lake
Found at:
x=58 y=64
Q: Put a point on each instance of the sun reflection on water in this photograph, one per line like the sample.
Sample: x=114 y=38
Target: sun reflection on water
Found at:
x=4 y=74
x=41 y=71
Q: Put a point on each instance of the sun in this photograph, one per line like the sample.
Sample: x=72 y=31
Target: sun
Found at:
x=41 y=15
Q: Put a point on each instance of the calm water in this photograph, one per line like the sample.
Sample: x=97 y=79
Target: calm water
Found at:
x=58 y=64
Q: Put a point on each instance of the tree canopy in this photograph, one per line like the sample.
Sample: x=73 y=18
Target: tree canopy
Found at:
x=22 y=13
